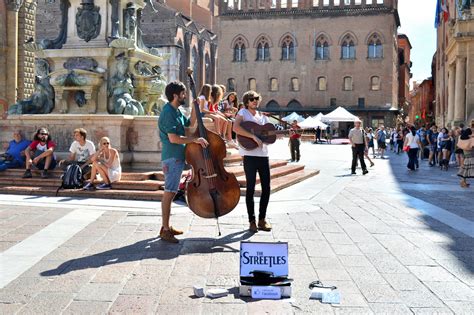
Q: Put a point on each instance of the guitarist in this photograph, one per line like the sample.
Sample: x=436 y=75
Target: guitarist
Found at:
x=254 y=161
x=295 y=135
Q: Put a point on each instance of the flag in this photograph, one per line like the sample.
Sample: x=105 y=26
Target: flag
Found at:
x=438 y=12
x=445 y=10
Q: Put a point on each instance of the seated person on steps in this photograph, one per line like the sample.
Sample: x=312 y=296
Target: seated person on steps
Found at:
x=81 y=151
x=14 y=157
x=105 y=162
x=40 y=154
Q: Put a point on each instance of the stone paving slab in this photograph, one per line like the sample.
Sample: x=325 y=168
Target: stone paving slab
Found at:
x=385 y=256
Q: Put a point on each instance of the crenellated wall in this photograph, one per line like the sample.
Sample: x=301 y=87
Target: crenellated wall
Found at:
x=246 y=6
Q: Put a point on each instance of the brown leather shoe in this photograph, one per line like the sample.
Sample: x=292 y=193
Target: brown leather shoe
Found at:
x=175 y=232
x=264 y=225
x=167 y=236
x=253 y=227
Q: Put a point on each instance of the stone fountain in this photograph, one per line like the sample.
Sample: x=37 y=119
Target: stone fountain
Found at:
x=96 y=74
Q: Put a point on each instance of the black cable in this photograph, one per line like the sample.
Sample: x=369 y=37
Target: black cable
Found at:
x=319 y=284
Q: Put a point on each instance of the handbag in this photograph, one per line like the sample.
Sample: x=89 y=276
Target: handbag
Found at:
x=464 y=144
x=406 y=148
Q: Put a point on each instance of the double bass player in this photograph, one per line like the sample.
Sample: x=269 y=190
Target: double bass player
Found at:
x=172 y=124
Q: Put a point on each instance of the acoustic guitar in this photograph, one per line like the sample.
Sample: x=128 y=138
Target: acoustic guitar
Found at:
x=267 y=133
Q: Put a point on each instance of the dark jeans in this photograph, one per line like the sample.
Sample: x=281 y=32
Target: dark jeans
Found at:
x=295 y=149
x=412 y=158
x=9 y=164
x=399 y=146
x=252 y=165
x=358 y=152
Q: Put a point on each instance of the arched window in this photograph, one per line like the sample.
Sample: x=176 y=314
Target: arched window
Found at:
x=208 y=68
x=231 y=84
x=263 y=50
x=375 y=83
x=295 y=84
x=375 y=47
x=195 y=62
x=252 y=84
x=239 y=50
x=322 y=48
x=348 y=48
x=273 y=84
x=322 y=84
x=288 y=49
x=347 y=84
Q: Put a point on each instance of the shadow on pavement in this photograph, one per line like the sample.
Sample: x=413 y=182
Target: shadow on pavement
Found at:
x=436 y=188
x=152 y=248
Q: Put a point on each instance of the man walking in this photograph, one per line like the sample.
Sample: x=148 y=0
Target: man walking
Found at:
x=381 y=137
x=357 y=140
x=172 y=125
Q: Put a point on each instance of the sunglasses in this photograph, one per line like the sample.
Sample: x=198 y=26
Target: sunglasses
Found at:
x=254 y=99
x=103 y=143
x=44 y=134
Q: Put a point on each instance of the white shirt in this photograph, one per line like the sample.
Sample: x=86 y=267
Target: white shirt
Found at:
x=83 y=153
x=259 y=119
x=413 y=140
x=206 y=103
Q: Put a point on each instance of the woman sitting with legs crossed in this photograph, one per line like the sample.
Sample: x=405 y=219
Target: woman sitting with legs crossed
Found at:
x=105 y=162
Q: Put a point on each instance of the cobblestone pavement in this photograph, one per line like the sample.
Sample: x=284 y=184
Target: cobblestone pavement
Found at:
x=391 y=241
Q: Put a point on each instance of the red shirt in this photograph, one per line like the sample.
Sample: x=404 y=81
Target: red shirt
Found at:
x=37 y=145
x=293 y=132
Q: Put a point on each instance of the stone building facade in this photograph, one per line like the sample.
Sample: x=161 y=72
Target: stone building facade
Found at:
x=17 y=24
x=312 y=56
x=454 y=65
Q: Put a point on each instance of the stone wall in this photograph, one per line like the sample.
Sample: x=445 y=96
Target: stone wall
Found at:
x=3 y=52
x=26 y=59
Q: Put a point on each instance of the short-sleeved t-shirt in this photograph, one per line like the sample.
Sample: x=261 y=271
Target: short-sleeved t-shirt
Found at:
x=83 y=153
x=15 y=149
x=259 y=119
x=171 y=120
x=37 y=145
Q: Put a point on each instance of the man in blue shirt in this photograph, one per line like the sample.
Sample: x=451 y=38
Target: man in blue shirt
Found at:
x=15 y=155
x=171 y=124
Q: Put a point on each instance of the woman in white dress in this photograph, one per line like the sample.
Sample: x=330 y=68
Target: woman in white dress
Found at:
x=106 y=162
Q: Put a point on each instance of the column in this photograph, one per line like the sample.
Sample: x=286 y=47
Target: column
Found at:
x=451 y=85
x=470 y=85
x=13 y=6
x=460 y=94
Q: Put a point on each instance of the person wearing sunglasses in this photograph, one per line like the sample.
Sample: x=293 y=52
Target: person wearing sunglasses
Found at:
x=105 y=162
x=40 y=154
x=255 y=160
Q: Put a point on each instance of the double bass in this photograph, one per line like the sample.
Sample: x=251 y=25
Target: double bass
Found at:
x=212 y=192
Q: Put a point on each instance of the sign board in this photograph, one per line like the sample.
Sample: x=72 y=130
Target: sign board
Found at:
x=266 y=292
x=264 y=256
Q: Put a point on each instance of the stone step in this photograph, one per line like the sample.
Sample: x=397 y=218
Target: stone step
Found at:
x=134 y=176
x=238 y=169
x=155 y=195
x=274 y=173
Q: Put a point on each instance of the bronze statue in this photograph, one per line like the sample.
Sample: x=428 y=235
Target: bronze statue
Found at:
x=130 y=21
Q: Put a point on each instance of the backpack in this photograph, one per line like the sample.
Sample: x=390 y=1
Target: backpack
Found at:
x=71 y=178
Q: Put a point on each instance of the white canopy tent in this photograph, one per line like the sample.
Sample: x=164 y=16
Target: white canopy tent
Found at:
x=339 y=114
x=319 y=116
x=312 y=122
x=293 y=116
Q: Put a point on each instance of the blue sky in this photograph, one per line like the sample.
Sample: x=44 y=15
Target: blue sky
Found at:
x=417 y=20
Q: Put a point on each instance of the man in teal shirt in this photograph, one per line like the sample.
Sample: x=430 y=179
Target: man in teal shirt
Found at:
x=172 y=125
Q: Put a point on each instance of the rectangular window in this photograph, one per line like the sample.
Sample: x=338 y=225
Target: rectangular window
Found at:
x=333 y=102
x=377 y=122
x=361 y=102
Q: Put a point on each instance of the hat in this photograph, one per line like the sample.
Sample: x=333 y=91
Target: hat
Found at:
x=357 y=120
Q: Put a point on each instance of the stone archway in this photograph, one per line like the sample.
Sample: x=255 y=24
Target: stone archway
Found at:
x=294 y=104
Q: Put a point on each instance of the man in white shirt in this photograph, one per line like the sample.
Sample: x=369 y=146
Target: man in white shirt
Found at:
x=358 y=143
x=81 y=150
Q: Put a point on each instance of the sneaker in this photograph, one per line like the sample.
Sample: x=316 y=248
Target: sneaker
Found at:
x=173 y=231
x=167 y=236
x=264 y=225
x=27 y=174
x=364 y=172
x=89 y=186
x=253 y=227
x=44 y=174
x=353 y=173
x=104 y=186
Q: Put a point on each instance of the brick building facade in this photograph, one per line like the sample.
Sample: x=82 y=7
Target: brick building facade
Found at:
x=422 y=103
x=404 y=74
x=311 y=56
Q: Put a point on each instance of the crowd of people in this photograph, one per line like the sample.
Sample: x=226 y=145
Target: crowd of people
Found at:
x=441 y=147
x=102 y=165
